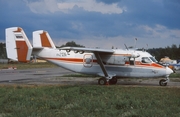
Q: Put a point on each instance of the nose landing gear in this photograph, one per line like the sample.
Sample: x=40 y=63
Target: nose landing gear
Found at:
x=163 y=82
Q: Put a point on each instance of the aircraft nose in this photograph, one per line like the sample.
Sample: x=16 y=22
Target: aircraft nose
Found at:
x=168 y=71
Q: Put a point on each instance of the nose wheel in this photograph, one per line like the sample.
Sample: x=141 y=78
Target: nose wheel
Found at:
x=163 y=82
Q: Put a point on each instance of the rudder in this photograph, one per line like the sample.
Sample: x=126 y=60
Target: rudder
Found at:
x=18 y=47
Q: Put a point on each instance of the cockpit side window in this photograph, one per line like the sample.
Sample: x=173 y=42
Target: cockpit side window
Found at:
x=153 y=59
x=145 y=60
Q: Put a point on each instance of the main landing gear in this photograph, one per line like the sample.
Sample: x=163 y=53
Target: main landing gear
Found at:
x=163 y=82
x=104 y=81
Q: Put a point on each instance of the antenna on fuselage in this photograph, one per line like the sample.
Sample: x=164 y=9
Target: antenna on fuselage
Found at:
x=146 y=46
x=126 y=46
x=135 y=43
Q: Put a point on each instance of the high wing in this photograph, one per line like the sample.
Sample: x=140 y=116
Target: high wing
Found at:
x=88 y=49
x=98 y=57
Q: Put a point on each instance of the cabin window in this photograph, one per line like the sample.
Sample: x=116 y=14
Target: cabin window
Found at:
x=88 y=60
x=145 y=60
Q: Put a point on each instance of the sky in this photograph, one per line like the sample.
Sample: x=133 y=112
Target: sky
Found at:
x=96 y=23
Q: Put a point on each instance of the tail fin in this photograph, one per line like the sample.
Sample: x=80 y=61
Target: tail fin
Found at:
x=18 y=47
x=42 y=39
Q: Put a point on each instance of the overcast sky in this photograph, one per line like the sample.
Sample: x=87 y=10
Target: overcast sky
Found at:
x=96 y=23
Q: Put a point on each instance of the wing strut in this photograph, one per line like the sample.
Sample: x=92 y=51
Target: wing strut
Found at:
x=101 y=64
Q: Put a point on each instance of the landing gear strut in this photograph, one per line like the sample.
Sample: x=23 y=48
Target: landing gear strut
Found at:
x=164 y=82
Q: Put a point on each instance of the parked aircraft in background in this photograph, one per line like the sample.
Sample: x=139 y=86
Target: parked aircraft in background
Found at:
x=110 y=64
x=176 y=66
x=173 y=64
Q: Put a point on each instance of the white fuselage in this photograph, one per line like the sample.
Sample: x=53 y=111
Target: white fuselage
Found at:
x=121 y=63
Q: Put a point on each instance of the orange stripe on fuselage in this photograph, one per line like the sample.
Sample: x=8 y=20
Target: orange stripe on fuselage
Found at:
x=72 y=60
x=67 y=59
x=151 y=64
x=79 y=60
x=121 y=54
x=22 y=50
x=157 y=65
x=44 y=40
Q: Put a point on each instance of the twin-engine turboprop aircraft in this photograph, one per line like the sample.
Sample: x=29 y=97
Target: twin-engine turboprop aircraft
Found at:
x=110 y=64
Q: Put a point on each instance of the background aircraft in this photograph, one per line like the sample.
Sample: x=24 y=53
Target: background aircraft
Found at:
x=110 y=64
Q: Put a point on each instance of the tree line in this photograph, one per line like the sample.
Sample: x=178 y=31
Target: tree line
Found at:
x=3 y=54
x=173 y=52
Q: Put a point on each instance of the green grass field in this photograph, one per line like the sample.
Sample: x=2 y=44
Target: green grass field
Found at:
x=89 y=101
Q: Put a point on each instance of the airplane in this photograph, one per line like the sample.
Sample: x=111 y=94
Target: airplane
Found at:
x=109 y=64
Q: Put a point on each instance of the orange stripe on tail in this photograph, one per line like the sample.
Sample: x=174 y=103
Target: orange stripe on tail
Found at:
x=44 y=40
x=22 y=50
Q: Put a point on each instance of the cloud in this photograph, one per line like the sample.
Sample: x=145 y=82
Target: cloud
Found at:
x=91 y=22
x=158 y=36
x=42 y=6
x=160 y=32
x=108 y=1
x=45 y=6
x=91 y=6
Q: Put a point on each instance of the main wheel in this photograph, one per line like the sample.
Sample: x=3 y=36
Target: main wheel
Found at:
x=113 y=80
x=102 y=81
x=162 y=82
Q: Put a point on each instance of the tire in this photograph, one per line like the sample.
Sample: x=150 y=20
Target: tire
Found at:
x=102 y=81
x=113 y=80
x=162 y=82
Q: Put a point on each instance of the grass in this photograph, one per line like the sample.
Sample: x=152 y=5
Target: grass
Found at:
x=88 y=101
x=175 y=75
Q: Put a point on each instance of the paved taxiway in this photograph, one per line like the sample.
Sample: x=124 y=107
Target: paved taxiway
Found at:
x=54 y=76
x=10 y=75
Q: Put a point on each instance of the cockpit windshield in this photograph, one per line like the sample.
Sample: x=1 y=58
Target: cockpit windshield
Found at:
x=153 y=59
x=146 y=60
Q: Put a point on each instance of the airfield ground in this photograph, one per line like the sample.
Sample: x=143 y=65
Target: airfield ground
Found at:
x=50 y=76
x=55 y=92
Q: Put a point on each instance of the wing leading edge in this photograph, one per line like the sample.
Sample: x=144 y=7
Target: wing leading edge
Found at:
x=88 y=49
